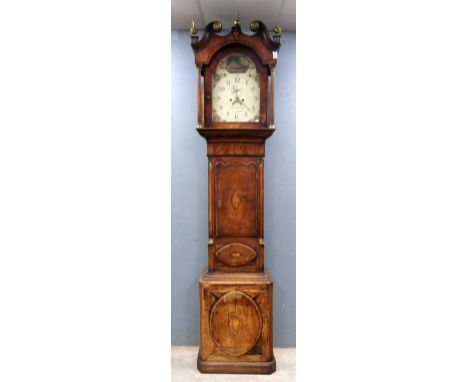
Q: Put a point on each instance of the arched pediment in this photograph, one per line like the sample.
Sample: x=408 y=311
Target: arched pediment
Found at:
x=212 y=41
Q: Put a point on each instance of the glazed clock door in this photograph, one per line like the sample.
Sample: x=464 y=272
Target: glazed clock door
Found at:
x=236 y=197
x=236 y=90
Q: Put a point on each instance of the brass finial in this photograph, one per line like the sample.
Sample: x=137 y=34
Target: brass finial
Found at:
x=277 y=28
x=217 y=26
x=237 y=20
x=254 y=25
x=193 y=29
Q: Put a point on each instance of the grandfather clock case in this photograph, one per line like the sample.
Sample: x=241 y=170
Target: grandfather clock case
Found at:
x=236 y=78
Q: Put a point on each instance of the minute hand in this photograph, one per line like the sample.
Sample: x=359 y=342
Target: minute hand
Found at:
x=243 y=104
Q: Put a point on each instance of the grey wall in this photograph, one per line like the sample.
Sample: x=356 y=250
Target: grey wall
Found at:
x=190 y=196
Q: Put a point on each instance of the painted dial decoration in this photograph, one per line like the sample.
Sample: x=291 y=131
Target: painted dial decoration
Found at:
x=236 y=90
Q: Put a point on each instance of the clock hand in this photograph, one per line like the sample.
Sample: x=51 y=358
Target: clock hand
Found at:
x=237 y=100
x=241 y=101
x=243 y=104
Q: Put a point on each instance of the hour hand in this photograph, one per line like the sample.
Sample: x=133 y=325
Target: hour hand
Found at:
x=237 y=100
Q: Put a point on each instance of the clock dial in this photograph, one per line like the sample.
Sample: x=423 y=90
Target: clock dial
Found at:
x=236 y=90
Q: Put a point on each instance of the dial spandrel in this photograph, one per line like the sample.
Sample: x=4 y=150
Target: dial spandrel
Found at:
x=236 y=90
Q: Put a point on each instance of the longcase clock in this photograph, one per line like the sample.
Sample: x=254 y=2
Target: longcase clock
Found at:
x=236 y=75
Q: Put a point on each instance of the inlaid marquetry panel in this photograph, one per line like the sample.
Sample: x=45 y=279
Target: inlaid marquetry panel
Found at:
x=235 y=323
x=236 y=254
x=236 y=197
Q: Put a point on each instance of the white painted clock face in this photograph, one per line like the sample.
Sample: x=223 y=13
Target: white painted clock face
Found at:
x=236 y=90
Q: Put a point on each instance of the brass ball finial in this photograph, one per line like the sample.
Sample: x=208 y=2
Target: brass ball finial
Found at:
x=237 y=20
x=277 y=28
x=193 y=29
x=254 y=26
x=217 y=26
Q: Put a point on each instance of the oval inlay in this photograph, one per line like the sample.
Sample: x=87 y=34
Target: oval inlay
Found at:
x=235 y=200
x=235 y=323
x=236 y=254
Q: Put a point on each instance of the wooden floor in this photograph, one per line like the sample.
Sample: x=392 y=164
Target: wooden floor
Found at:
x=184 y=367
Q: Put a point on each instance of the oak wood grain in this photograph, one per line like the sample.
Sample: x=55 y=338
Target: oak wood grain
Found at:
x=235 y=291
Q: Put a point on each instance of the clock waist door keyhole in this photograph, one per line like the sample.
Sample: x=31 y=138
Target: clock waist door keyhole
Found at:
x=219 y=203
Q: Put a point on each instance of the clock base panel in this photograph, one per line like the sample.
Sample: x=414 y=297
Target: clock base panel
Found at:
x=236 y=323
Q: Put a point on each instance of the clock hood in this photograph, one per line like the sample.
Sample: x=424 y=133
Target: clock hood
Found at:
x=260 y=42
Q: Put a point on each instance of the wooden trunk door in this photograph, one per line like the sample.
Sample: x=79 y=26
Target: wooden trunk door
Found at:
x=236 y=197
